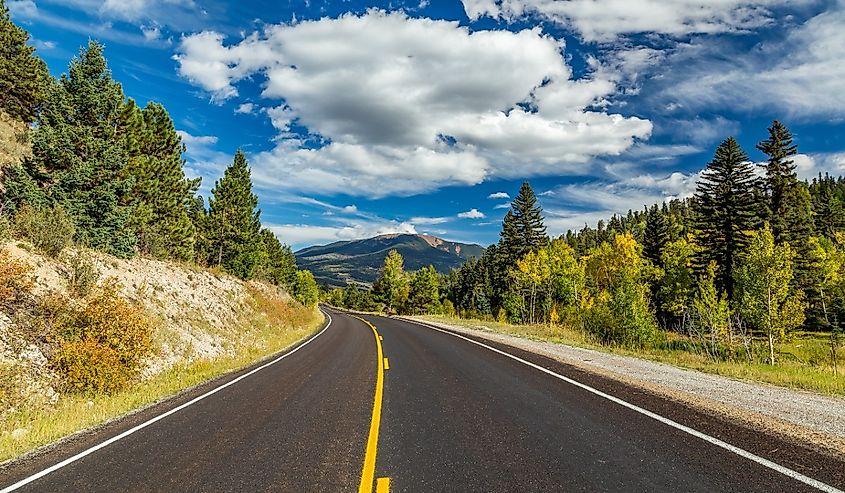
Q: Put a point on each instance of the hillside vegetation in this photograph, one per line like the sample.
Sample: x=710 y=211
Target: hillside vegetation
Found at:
x=119 y=284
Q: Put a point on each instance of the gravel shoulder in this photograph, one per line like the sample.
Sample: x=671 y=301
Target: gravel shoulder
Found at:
x=794 y=414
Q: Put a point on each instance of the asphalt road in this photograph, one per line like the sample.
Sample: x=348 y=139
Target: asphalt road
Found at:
x=454 y=416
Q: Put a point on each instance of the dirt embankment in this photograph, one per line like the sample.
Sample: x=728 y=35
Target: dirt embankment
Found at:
x=197 y=314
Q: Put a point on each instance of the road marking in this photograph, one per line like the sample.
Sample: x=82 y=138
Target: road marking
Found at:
x=369 y=471
x=386 y=364
x=84 y=453
x=674 y=424
x=383 y=485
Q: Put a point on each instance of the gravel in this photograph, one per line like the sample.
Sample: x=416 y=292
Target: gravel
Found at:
x=819 y=414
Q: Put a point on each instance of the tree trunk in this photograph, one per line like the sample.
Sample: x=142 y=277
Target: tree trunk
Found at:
x=771 y=347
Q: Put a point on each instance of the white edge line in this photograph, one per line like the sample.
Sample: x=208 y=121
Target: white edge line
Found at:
x=143 y=425
x=674 y=424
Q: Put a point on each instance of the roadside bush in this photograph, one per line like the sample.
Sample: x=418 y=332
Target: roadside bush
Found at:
x=102 y=344
x=15 y=280
x=82 y=274
x=50 y=230
x=622 y=318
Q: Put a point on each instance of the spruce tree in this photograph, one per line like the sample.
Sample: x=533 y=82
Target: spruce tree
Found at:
x=523 y=229
x=233 y=223
x=724 y=211
x=789 y=204
x=24 y=78
x=78 y=159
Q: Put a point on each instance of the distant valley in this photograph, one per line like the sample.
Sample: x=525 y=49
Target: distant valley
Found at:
x=359 y=261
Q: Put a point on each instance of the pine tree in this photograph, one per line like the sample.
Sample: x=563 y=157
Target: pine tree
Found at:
x=280 y=263
x=828 y=205
x=655 y=236
x=24 y=78
x=724 y=208
x=233 y=223
x=424 y=291
x=161 y=194
x=78 y=160
x=789 y=213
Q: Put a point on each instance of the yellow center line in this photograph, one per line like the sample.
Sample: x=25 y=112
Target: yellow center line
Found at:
x=369 y=471
x=383 y=485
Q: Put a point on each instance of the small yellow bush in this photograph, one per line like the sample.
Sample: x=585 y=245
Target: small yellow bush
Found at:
x=15 y=279
x=102 y=344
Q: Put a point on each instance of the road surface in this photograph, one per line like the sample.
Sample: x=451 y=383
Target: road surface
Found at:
x=435 y=412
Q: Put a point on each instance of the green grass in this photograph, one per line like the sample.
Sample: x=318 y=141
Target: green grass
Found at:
x=270 y=327
x=804 y=363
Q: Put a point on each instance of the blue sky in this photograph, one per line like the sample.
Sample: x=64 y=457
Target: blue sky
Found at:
x=361 y=118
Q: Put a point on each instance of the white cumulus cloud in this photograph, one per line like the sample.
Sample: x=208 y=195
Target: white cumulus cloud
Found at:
x=440 y=105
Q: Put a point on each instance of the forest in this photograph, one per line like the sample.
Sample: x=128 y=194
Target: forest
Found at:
x=107 y=174
x=755 y=257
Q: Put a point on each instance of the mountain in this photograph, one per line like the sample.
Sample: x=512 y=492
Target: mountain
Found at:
x=341 y=262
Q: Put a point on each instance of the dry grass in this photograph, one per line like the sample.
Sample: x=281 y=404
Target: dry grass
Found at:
x=804 y=361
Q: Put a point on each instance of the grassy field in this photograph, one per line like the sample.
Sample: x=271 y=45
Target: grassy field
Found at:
x=268 y=329
x=804 y=362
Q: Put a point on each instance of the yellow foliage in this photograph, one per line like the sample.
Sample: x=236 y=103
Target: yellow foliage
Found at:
x=102 y=344
x=15 y=278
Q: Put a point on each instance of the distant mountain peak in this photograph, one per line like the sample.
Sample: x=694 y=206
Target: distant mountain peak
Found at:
x=359 y=261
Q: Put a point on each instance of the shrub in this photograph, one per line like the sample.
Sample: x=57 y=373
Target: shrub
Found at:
x=15 y=280
x=82 y=274
x=50 y=230
x=102 y=344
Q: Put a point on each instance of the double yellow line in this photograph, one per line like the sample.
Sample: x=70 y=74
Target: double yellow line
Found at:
x=369 y=471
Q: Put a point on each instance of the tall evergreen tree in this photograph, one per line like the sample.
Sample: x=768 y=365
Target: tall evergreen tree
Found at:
x=280 y=264
x=78 y=158
x=828 y=205
x=522 y=228
x=24 y=78
x=161 y=194
x=724 y=209
x=233 y=223
x=789 y=203
x=656 y=235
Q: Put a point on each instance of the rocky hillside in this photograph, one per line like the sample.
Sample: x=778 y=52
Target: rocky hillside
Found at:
x=198 y=316
x=342 y=262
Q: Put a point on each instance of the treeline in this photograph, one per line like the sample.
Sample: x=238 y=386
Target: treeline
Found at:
x=110 y=174
x=754 y=252
x=755 y=255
